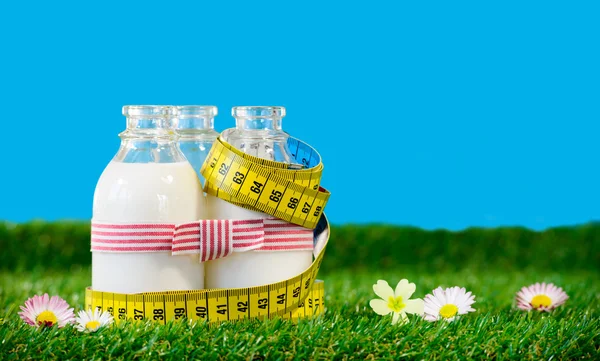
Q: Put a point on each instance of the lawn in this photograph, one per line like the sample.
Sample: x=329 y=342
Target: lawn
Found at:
x=349 y=329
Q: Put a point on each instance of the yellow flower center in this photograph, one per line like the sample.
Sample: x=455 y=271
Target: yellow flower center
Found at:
x=395 y=304
x=541 y=301
x=92 y=325
x=46 y=318
x=448 y=310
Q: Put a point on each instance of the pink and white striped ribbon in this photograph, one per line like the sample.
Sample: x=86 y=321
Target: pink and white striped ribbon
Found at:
x=211 y=239
x=131 y=237
x=283 y=236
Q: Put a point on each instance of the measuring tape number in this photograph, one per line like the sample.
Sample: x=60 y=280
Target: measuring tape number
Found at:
x=278 y=189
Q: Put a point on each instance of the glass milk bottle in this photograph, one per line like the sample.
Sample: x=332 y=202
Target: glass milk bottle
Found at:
x=258 y=133
x=195 y=126
x=148 y=181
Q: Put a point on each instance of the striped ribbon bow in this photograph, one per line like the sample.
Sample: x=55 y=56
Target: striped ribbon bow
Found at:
x=211 y=239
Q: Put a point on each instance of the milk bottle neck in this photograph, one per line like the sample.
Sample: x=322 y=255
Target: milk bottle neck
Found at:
x=258 y=132
x=194 y=122
x=149 y=137
x=143 y=128
x=259 y=122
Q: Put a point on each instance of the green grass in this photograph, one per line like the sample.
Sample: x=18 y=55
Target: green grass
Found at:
x=348 y=329
x=494 y=264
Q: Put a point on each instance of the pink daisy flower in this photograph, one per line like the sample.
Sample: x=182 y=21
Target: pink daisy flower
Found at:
x=46 y=312
x=541 y=297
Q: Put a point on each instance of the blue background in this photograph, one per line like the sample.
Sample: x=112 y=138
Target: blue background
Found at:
x=477 y=114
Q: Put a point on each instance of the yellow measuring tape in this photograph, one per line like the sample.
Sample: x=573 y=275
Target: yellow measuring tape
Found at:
x=211 y=306
x=298 y=297
x=291 y=192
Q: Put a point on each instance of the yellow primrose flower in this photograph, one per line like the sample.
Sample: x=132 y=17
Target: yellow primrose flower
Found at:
x=397 y=302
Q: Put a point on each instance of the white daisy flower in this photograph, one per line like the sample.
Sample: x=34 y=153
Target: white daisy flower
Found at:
x=541 y=297
x=46 y=312
x=397 y=302
x=91 y=321
x=448 y=304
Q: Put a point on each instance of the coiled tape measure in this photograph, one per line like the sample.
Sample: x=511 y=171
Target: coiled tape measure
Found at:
x=291 y=192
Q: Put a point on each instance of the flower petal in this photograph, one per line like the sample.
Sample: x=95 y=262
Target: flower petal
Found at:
x=395 y=318
x=440 y=295
x=383 y=290
x=430 y=317
x=451 y=295
x=433 y=301
x=431 y=307
x=380 y=307
x=399 y=316
x=405 y=289
x=416 y=306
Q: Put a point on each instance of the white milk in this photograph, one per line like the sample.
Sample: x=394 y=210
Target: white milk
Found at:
x=151 y=193
x=249 y=269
